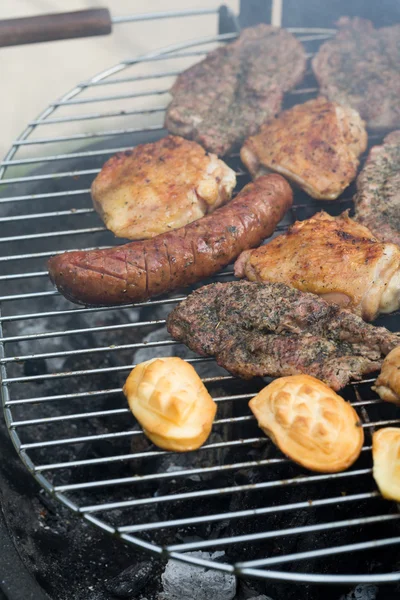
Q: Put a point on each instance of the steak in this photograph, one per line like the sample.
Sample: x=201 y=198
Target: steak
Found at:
x=377 y=201
x=360 y=68
x=224 y=98
x=255 y=329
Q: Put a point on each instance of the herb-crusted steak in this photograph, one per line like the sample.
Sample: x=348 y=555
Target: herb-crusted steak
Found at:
x=377 y=201
x=271 y=329
x=223 y=99
x=360 y=68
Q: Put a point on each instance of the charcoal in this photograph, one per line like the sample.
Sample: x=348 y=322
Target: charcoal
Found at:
x=183 y=581
x=133 y=579
x=362 y=592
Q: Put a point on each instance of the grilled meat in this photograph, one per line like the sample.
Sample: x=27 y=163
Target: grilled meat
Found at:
x=223 y=99
x=315 y=144
x=139 y=270
x=256 y=329
x=336 y=258
x=377 y=201
x=161 y=186
x=360 y=68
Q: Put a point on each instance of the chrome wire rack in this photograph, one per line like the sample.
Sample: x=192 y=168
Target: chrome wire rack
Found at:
x=63 y=367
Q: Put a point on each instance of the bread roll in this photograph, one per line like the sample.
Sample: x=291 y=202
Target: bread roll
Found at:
x=309 y=423
x=387 y=386
x=386 y=457
x=171 y=403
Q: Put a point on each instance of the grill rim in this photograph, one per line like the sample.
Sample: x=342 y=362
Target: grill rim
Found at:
x=240 y=568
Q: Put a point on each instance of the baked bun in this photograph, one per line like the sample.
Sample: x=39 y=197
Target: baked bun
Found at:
x=387 y=386
x=171 y=403
x=309 y=423
x=386 y=457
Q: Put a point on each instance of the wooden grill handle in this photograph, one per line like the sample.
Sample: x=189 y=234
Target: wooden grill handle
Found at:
x=58 y=26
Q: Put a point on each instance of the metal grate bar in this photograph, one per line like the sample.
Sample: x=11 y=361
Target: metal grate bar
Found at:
x=86 y=136
x=118 y=80
x=49 y=176
x=99 y=115
x=44 y=255
x=164 y=15
x=222 y=491
x=265 y=535
x=55 y=157
x=42 y=196
x=51 y=234
x=73 y=311
x=59 y=213
x=23 y=275
x=246 y=567
x=101 y=436
x=112 y=98
x=107 y=392
x=89 y=415
x=241 y=514
x=106 y=413
x=170 y=475
x=28 y=296
x=89 y=394
x=87 y=372
x=148 y=454
x=50 y=334
x=113 y=348
x=56 y=293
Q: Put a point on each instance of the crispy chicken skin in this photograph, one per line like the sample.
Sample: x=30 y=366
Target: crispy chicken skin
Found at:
x=315 y=144
x=336 y=258
x=160 y=186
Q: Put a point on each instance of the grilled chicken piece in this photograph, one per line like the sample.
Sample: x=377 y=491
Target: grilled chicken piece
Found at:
x=224 y=98
x=387 y=385
x=315 y=144
x=377 y=201
x=256 y=329
x=335 y=258
x=160 y=186
x=360 y=67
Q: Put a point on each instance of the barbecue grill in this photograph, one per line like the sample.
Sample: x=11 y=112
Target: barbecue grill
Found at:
x=62 y=366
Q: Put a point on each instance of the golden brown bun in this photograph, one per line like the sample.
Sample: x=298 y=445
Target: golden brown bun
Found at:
x=386 y=456
x=309 y=423
x=387 y=386
x=171 y=403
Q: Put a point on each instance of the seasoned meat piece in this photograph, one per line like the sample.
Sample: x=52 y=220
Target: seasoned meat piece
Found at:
x=377 y=201
x=160 y=186
x=360 y=68
x=223 y=99
x=140 y=270
x=335 y=258
x=315 y=144
x=256 y=329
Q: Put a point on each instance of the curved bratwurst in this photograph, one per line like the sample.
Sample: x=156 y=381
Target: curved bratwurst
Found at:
x=139 y=270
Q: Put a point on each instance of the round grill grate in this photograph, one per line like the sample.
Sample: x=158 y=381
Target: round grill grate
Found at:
x=63 y=367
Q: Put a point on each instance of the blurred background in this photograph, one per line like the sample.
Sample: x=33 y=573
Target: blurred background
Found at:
x=35 y=75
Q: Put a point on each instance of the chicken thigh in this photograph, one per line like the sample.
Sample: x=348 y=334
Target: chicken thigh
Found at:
x=315 y=144
x=336 y=258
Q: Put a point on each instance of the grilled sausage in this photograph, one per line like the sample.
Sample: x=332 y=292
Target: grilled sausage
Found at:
x=142 y=269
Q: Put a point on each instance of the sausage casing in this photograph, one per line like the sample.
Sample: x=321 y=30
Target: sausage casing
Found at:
x=139 y=270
